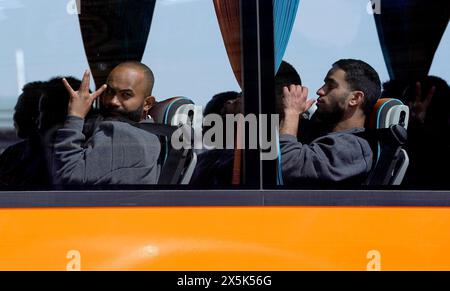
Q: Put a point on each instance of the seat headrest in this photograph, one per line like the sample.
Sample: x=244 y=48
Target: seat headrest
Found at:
x=164 y=111
x=387 y=112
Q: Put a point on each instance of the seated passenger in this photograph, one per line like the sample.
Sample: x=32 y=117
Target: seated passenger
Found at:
x=351 y=90
x=117 y=152
x=287 y=75
x=428 y=133
x=40 y=107
x=215 y=167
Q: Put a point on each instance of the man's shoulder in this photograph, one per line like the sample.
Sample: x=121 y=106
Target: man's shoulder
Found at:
x=350 y=131
x=126 y=128
x=349 y=138
x=348 y=134
x=125 y=133
x=13 y=153
x=18 y=146
x=358 y=134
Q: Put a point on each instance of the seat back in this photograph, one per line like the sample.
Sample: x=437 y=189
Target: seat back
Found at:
x=387 y=112
x=164 y=111
x=177 y=165
x=386 y=132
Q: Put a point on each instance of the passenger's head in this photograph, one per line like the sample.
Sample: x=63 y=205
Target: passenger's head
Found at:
x=54 y=102
x=233 y=106
x=393 y=89
x=129 y=92
x=352 y=88
x=26 y=111
x=286 y=76
x=219 y=103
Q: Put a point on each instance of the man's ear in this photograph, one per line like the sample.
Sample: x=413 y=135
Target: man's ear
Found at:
x=356 y=99
x=149 y=102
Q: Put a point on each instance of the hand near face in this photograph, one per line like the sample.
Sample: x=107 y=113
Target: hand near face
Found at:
x=295 y=100
x=419 y=108
x=295 y=103
x=81 y=101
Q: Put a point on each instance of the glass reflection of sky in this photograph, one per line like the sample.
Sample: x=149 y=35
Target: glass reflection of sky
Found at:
x=185 y=48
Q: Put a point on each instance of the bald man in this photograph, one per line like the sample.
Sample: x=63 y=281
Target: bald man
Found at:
x=117 y=152
x=129 y=92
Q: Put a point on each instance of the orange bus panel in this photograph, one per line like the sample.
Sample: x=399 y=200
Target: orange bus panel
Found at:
x=225 y=238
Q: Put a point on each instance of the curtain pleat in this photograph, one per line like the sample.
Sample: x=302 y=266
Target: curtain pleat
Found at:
x=228 y=16
x=410 y=32
x=114 y=31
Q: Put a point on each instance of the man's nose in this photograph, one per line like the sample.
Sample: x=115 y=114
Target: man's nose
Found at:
x=320 y=92
x=113 y=101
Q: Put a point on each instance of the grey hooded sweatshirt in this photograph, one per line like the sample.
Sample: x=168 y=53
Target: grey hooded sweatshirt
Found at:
x=338 y=157
x=117 y=153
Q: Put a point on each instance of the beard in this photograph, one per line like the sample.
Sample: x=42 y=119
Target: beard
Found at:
x=120 y=114
x=329 y=117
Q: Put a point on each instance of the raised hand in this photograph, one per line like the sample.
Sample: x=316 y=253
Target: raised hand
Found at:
x=295 y=103
x=418 y=108
x=295 y=100
x=81 y=101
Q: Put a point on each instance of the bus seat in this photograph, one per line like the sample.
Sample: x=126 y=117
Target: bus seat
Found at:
x=386 y=132
x=177 y=166
x=163 y=112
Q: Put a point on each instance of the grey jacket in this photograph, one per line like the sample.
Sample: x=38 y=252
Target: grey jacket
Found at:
x=336 y=157
x=117 y=153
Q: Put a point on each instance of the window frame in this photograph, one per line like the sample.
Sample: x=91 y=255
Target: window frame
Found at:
x=259 y=176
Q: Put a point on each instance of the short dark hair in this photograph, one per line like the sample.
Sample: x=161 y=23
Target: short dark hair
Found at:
x=393 y=89
x=217 y=102
x=362 y=77
x=54 y=103
x=286 y=76
x=26 y=111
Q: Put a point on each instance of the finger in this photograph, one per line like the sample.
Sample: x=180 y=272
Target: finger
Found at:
x=305 y=92
x=310 y=103
x=85 y=82
x=430 y=96
x=418 y=92
x=292 y=88
x=286 y=92
x=68 y=87
x=99 y=92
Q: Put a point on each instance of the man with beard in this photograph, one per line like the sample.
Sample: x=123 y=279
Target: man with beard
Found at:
x=340 y=155
x=117 y=152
